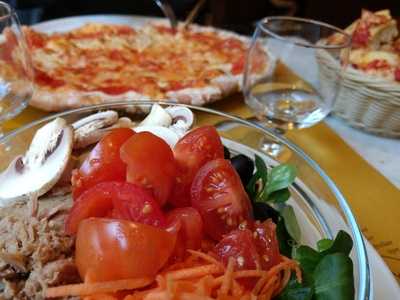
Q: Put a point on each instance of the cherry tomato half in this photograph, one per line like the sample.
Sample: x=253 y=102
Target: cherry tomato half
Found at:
x=187 y=222
x=109 y=249
x=151 y=164
x=103 y=163
x=218 y=194
x=266 y=242
x=121 y=200
x=196 y=148
x=239 y=245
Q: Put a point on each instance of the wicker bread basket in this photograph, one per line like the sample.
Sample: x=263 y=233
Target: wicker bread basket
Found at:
x=364 y=101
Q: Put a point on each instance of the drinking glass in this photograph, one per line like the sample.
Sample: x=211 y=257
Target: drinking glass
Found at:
x=293 y=91
x=16 y=71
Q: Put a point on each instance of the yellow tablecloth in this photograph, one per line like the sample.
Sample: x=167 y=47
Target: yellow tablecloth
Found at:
x=374 y=200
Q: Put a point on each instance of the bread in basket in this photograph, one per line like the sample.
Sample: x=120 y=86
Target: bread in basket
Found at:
x=370 y=95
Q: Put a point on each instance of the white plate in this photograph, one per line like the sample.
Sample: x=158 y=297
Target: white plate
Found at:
x=384 y=284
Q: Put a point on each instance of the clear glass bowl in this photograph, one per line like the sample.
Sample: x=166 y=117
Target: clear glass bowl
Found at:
x=320 y=207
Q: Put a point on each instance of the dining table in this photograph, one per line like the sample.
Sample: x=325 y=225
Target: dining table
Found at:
x=365 y=168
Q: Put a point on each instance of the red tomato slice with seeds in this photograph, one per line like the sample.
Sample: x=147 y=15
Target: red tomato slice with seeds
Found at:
x=151 y=164
x=195 y=149
x=103 y=163
x=239 y=245
x=266 y=242
x=115 y=199
x=219 y=196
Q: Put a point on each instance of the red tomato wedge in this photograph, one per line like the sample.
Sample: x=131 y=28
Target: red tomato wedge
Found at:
x=187 y=222
x=118 y=249
x=116 y=199
x=267 y=244
x=239 y=245
x=195 y=149
x=103 y=163
x=219 y=196
x=151 y=164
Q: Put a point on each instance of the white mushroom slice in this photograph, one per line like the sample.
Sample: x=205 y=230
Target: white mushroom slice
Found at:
x=157 y=117
x=182 y=119
x=168 y=135
x=41 y=167
x=91 y=129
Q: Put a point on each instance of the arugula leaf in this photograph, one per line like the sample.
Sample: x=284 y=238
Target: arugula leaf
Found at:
x=333 y=278
x=280 y=178
x=296 y=291
x=324 y=244
x=291 y=224
x=342 y=244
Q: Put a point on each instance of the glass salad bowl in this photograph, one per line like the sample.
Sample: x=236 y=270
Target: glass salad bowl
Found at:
x=320 y=208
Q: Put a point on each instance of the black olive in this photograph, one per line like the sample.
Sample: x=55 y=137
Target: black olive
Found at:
x=244 y=166
x=227 y=154
x=263 y=211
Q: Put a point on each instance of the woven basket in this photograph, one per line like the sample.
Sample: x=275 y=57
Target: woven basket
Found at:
x=364 y=101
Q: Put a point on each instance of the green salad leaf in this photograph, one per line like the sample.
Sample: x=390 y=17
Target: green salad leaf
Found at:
x=280 y=178
x=342 y=244
x=328 y=271
x=296 y=291
x=333 y=278
x=271 y=185
x=324 y=244
x=291 y=224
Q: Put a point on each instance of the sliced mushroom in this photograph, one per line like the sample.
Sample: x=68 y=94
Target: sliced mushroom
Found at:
x=182 y=119
x=168 y=135
x=157 y=117
x=91 y=129
x=36 y=172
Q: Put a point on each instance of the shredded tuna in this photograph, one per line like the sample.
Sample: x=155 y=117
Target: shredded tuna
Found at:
x=34 y=252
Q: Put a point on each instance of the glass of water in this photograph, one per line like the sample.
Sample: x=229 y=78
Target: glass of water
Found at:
x=16 y=71
x=294 y=91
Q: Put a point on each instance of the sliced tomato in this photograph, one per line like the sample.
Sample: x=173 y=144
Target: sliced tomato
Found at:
x=151 y=164
x=133 y=203
x=187 y=222
x=239 y=245
x=109 y=249
x=103 y=163
x=219 y=196
x=195 y=149
x=115 y=199
x=266 y=242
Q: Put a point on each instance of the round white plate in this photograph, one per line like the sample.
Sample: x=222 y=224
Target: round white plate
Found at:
x=384 y=284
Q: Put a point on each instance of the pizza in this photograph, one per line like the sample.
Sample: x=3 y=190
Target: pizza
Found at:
x=99 y=63
x=375 y=45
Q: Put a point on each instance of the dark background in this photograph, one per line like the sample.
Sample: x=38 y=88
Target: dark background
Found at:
x=238 y=15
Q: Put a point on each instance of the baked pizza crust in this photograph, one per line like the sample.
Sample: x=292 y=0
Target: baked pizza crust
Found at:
x=63 y=98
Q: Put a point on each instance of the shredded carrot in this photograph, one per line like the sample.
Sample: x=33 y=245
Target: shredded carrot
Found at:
x=86 y=289
x=194 y=272
x=199 y=277
x=228 y=277
x=205 y=257
x=260 y=283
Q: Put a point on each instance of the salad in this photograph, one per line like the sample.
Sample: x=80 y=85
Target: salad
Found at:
x=164 y=211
